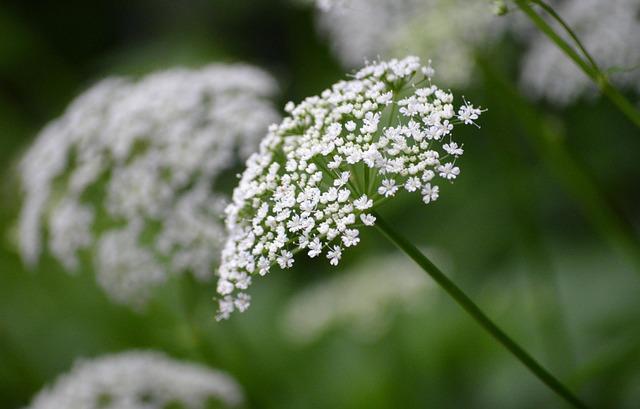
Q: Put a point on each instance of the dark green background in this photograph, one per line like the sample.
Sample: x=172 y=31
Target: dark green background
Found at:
x=514 y=224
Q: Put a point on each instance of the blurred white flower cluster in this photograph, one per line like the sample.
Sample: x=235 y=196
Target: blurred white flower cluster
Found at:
x=319 y=174
x=452 y=31
x=448 y=31
x=138 y=380
x=327 y=5
x=609 y=30
x=130 y=174
x=362 y=299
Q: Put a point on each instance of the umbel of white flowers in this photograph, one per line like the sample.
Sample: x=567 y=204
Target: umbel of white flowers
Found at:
x=318 y=174
x=138 y=380
x=129 y=174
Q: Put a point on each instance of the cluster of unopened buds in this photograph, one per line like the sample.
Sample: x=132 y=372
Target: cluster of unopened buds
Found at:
x=320 y=173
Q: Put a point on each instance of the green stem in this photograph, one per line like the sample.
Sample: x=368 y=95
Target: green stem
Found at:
x=589 y=68
x=476 y=313
x=549 y=10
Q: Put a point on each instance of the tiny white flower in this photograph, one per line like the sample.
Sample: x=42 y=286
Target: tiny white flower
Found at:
x=368 y=219
x=242 y=302
x=315 y=248
x=225 y=287
x=334 y=255
x=468 y=114
x=342 y=180
x=285 y=260
x=388 y=188
x=263 y=266
x=430 y=193
x=363 y=203
x=448 y=171
x=412 y=184
x=350 y=237
x=428 y=176
x=453 y=149
x=428 y=71
x=370 y=122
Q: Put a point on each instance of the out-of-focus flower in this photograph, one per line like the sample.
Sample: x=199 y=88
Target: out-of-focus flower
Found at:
x=319 y=174
x=138 y=380
x=362 y=298
x=130 y=173
x=449 y=31
x=327 y=5
x=609 y=30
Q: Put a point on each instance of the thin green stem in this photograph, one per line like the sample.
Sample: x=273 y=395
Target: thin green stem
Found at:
x=549 y=10
x=588 y=67
x=476 y=313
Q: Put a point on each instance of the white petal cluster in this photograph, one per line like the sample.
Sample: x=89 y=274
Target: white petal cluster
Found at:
x=609 y=30
x=138 y=380
x=319 y=174
x=129 y=174
x=353 y=28
x=361 y=298
x=449 y=31
x=326 y=5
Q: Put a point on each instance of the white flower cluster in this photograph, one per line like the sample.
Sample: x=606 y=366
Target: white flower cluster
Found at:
x=449 y=31
x=452 y=31
x=327 y=5
x=319 y=174
x=609 y=30
x=353 y=28
x=130 y=173
x=138 y=380
x=361 y=298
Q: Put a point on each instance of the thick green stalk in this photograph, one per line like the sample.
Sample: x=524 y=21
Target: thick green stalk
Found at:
x=476 y=313
x=588 y=67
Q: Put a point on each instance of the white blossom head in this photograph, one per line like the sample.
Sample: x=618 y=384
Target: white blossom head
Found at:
x=363 y=299
x=139 y=380
x=449 y=31
x=129 y=174
x=610 y=32
x=320 y=173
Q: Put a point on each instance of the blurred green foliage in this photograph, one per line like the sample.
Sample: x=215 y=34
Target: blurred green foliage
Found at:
x=520 y=244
